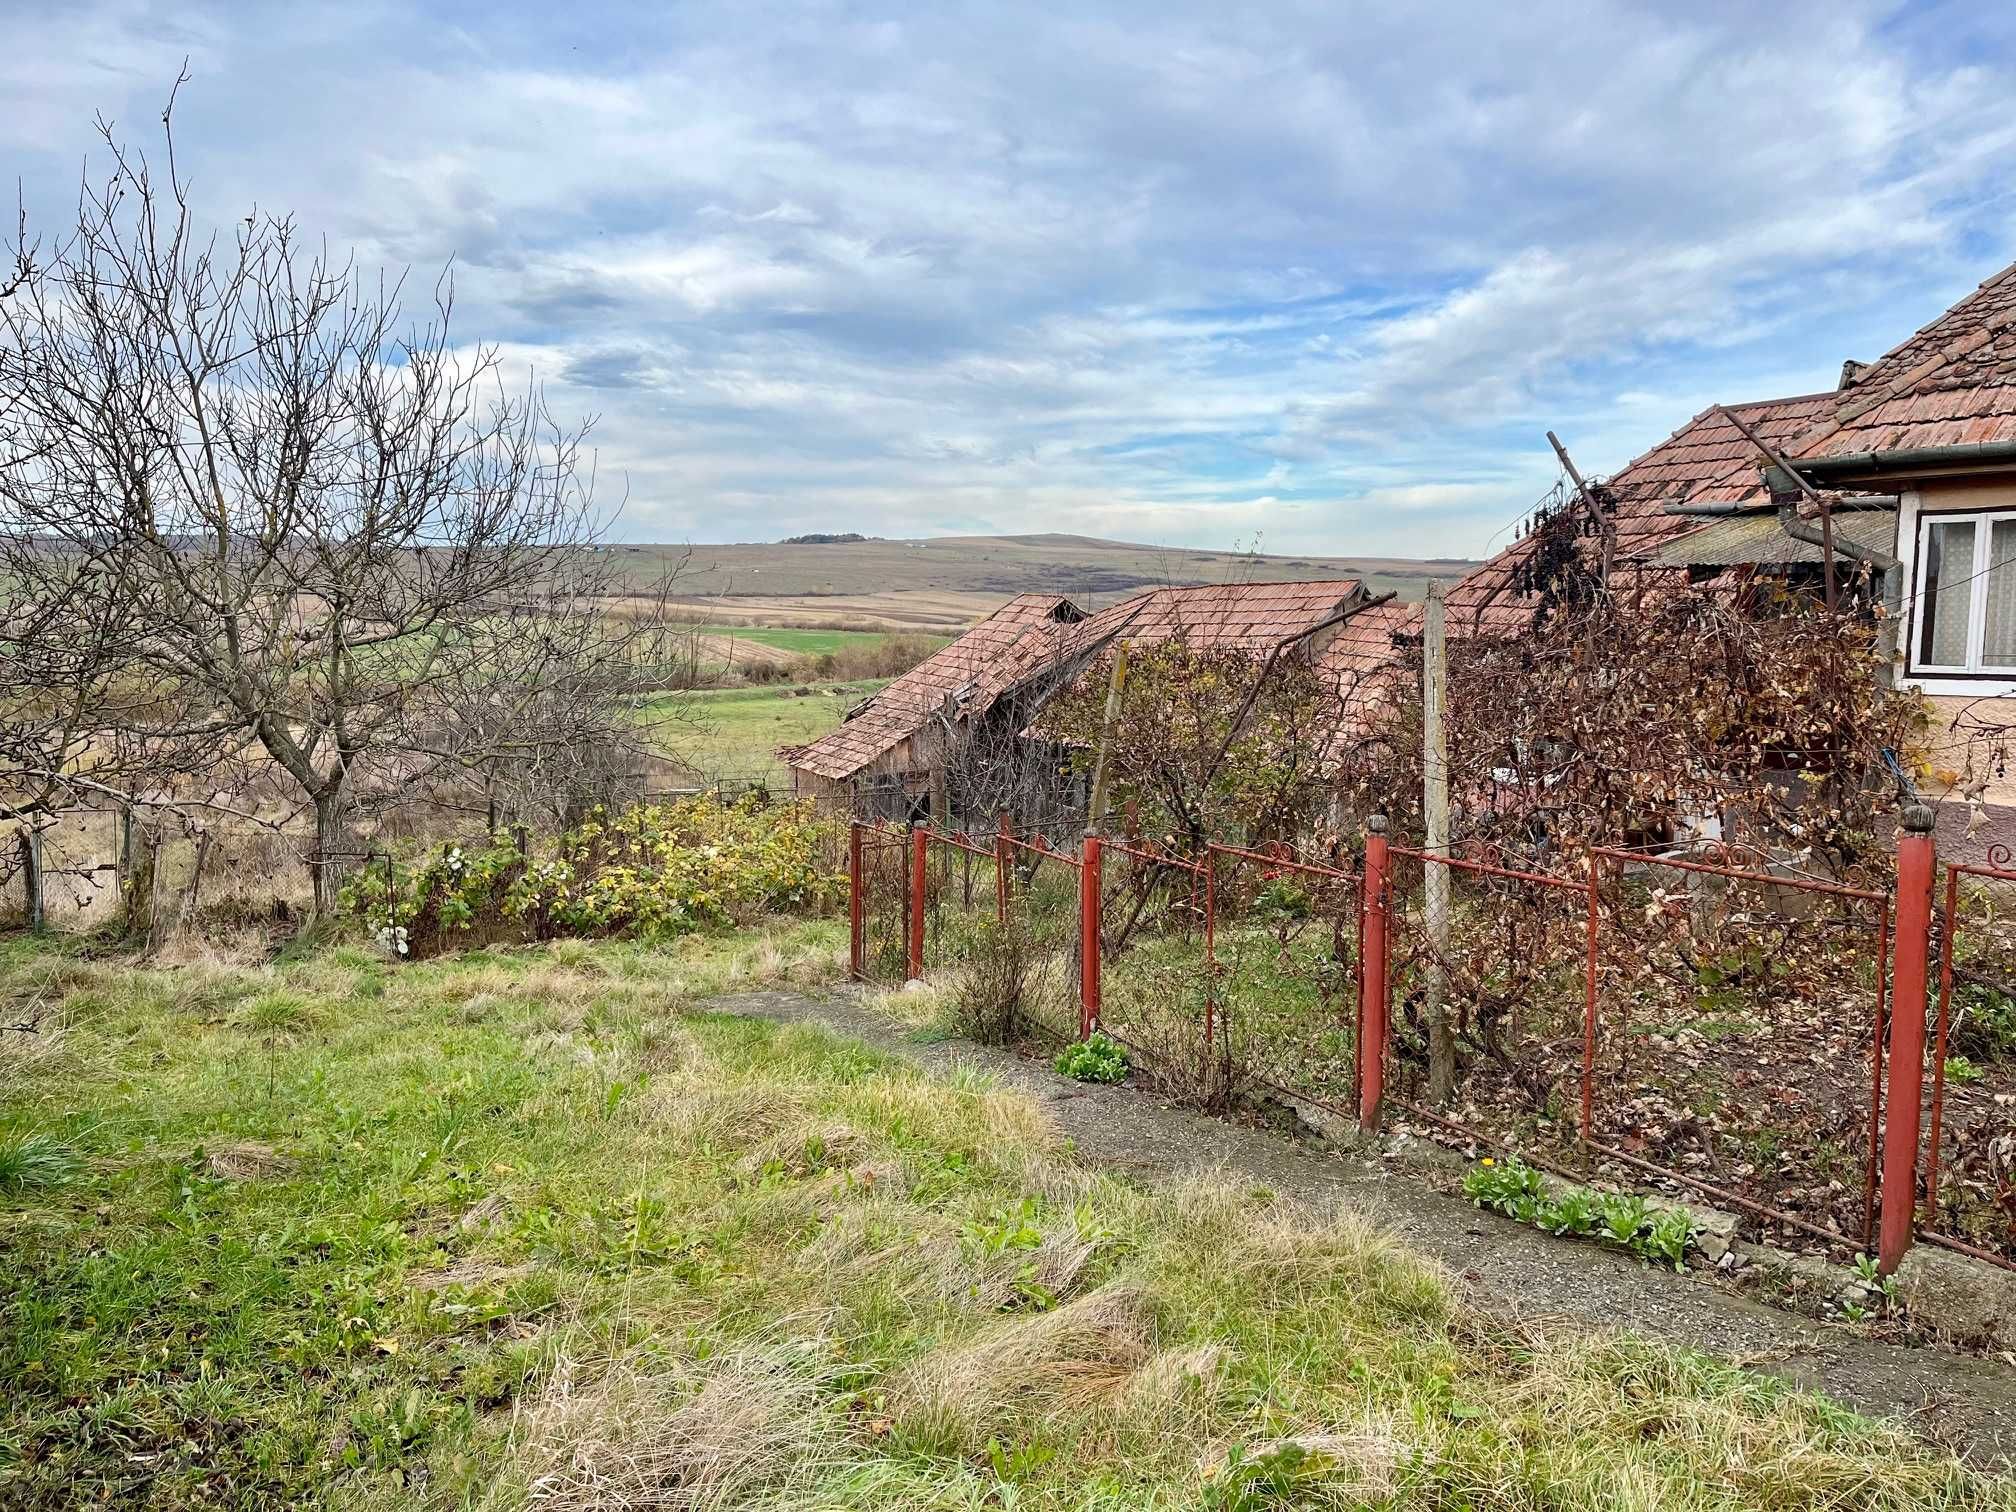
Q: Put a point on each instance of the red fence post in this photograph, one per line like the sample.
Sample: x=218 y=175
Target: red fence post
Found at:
x=1906 y=1082
x=1088 y=936
x=919 y=860
x=856 y=905
x=1372 y=978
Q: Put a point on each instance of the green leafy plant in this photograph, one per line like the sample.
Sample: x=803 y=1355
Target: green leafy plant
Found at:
x=1624 y=1217
x=1519 y=1192
x=1665 y=1241
x=1097 y=1059
x=1871 y=1279
x=1002 y=1230
x=1508 y=1186
x=1258 y=1482
x=1962 y=1070
x=1575 y=1212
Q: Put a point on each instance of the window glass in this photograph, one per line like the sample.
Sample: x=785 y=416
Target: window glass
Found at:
x=1998 y=638
x=1946 y=593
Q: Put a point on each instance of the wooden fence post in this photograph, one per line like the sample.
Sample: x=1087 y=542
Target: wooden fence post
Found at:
x=920 y=860
x=1088 y=936
x=1904 y=1083
x=856 y=905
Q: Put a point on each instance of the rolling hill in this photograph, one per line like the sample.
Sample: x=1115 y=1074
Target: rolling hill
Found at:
x=943 y=582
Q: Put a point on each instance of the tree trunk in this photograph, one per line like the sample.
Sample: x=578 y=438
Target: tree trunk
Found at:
x=1435 y=814
x=326 y=862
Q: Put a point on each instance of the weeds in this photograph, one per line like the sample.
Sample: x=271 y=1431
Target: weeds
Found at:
x=1625 y=1220
x=986 y=1003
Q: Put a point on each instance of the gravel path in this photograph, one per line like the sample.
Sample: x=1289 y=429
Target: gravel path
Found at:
x=1962 y=1400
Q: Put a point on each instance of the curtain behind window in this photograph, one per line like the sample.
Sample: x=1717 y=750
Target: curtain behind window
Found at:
x=1947 y=591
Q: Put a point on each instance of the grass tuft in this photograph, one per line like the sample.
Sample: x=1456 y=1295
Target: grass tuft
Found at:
x=31 y=1161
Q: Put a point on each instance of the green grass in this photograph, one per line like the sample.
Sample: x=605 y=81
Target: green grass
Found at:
x=735 y=732
x=806 y=642
x=535 y=1227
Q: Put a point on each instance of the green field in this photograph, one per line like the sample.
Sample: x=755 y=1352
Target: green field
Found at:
x=806 y=642
x=735 y=732
x=535 y=1227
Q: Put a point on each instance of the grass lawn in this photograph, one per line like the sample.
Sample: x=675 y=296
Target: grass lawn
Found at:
x=739 y=729
x=534 y=1227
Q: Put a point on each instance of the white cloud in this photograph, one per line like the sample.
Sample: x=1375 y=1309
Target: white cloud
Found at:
x=1320 y=271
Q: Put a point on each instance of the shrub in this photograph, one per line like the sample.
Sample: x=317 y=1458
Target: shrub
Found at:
x=986 y=1004
x=1097 y=1059
x=653 y=870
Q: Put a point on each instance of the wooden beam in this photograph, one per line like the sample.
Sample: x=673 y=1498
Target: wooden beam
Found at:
x=1606 y=525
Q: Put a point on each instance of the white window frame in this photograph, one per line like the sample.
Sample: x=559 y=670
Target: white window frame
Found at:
x=1973 y=672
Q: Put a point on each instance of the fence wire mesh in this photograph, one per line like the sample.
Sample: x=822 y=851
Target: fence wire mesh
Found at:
x=1155 y=989
x=1041 y=929
x=884 y=904
x=1970 y=1153
x=1285 y=948
x=1508 y=968
x=1739 y=1039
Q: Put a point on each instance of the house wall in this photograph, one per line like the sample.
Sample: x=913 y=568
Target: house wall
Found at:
x=1968 y=772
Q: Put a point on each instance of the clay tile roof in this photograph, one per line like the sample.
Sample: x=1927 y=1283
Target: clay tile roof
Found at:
x=1952 y=383
x=1249 y=616
x=1026 y=633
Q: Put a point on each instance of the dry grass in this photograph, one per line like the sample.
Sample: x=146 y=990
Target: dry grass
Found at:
x=1056 y=1366
x=551 y=1232
x=751 y=1425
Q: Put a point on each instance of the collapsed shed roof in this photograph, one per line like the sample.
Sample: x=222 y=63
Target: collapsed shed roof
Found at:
x=1035 y=634
x=1016 y=640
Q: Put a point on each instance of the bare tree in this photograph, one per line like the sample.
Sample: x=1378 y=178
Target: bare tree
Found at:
x=323 y=525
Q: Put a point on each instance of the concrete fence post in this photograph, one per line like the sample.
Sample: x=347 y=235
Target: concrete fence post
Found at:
x=1904 y=1084
x=1376 y=903
x=920 y=860
x=1089 y=940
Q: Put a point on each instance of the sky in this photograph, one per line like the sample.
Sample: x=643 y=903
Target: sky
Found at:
x=1312 y=278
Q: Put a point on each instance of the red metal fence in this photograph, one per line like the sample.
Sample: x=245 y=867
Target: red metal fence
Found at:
x=1630 y=1017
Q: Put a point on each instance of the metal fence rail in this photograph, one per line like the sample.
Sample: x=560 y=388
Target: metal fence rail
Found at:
x=1256 y=974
